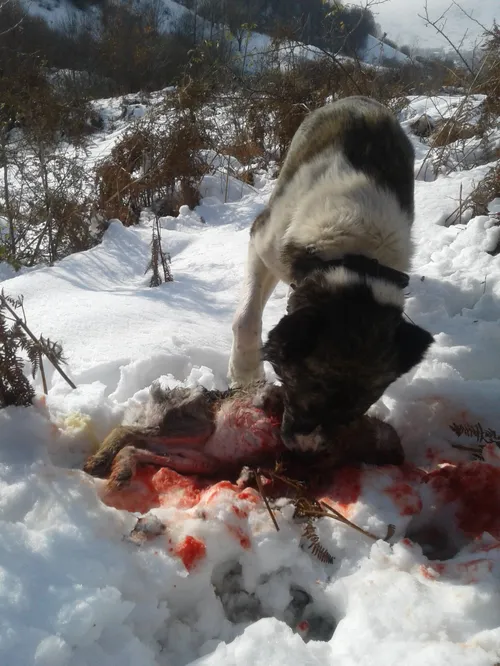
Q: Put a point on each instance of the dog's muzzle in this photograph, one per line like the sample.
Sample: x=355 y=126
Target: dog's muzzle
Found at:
x=298 y=439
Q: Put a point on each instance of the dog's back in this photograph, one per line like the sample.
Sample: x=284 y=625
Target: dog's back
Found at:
x=347 y=184
x=367 y=134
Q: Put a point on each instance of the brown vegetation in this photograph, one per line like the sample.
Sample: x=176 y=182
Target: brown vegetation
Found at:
x=153 y=164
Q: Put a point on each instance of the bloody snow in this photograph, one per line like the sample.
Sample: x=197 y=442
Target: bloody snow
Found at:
x=200 y=575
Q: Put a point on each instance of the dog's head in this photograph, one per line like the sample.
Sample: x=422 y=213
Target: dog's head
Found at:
x=336 y=353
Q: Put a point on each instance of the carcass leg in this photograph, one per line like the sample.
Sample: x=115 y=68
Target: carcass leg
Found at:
x=183 y=461
x=148 y=442
x=101 y=462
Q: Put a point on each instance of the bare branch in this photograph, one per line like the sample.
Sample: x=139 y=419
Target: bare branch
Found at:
x=440 y=31
x=485 y=30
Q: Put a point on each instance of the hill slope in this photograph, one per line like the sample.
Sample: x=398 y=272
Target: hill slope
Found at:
x=56 y=12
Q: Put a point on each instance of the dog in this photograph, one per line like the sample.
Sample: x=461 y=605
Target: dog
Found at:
x=337 y=229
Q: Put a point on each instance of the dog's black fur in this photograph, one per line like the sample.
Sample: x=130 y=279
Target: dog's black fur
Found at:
x=336 y=353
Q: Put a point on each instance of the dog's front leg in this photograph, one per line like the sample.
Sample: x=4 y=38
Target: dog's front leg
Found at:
x=245 y=364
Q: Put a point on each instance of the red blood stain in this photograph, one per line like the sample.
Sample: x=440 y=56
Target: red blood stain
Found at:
x=238 y=512
x=239 y=535
x=253 y=418
x=243 y=434
x=472 y=571
x=191 y=551
x=475 y=487
x=303 y=626
x=345 y=488
x=153 y=487
x=140 y=496
x=491 y=454
x=250 y=495
x=431 y=572
x=405 y=498
x=175 y=490
x=407 y=542
x=213 y=492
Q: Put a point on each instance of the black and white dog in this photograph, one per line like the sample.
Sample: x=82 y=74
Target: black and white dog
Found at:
x=338 y=230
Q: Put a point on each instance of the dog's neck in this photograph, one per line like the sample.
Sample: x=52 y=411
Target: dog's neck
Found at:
x=386 y=283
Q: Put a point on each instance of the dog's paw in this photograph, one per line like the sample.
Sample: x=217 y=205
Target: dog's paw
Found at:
x=243 y=372
x=238 y=379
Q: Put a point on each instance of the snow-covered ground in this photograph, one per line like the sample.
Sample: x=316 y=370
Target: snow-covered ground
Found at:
x=74 y=590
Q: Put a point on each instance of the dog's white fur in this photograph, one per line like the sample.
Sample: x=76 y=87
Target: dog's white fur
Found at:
x=338 y=210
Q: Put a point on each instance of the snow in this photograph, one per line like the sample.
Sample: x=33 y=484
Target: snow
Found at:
x=375 y=52
x=459 y=155
x=58 y=12
x=494 y=206
x=76 y=591
x=443 y=107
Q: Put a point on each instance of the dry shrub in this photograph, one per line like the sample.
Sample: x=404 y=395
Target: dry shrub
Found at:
x=489 y=80
x=296 y=94
x=275 y=111
x=246 y=176
x=192 y=94
x=278 y=101
x=115 y=198
x=487 y=190
x=386 y=86
x=72 y=232
x=159 y=263
x=451 y=130
x=154 y=164
x=244 y=149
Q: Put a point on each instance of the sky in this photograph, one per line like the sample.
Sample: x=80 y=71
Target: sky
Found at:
x=399 y=18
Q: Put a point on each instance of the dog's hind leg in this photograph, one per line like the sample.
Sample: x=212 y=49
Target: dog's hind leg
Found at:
x=245 y=364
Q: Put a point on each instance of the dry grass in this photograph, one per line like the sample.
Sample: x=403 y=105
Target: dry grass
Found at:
x=244 y=149
x=489 y=80
x=487 y=190
x=275 y=103
x=451 y=130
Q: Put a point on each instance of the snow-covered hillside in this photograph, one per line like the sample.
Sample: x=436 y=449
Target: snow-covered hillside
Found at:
x=57 y=12
x=256 y=46
x=74 y=591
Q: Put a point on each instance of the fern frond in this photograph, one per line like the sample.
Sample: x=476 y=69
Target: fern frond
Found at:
x=481 y=435
x=16 y=337
x=52 y=350
x=315 y=546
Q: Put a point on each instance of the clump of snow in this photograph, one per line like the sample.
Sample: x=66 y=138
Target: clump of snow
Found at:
x=494 y=207
x=136 y=111
x=76 y=590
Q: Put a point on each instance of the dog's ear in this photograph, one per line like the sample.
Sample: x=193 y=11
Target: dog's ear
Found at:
x=293 y=336
x=412 y=342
